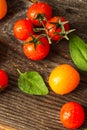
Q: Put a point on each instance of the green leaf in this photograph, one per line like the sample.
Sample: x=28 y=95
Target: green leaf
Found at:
x=78 y=51
x=85 y=129
x=32 y=83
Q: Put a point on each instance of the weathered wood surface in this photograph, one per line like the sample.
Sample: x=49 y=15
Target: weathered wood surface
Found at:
x=25 y=112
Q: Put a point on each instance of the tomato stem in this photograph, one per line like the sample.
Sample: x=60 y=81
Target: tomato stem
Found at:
x=33 y=1
x=19 y=71
x=38 y=29
x=49 y=39
x=45 y=35
x=63 y=33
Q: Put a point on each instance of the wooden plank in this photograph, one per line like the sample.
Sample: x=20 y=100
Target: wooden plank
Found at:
x=25 y=112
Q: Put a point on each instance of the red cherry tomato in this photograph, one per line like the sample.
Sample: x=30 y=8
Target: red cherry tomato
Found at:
x=55 y=28
x=36 y=49
x=3 y=80
x=22 y=29
x=72 y=115
x=39 y=11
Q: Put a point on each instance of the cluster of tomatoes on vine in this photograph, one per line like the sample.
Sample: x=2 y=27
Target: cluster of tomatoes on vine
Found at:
x=39 y=29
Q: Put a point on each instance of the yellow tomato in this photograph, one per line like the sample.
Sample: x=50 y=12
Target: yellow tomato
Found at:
x=64 y=79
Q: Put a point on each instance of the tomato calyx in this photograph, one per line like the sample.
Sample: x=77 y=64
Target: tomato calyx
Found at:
x=40 y=18
x=35 y=40
x=63 y=33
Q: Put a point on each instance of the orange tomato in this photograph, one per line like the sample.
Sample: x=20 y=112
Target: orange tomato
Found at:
x=64 y=79
x=3 y=8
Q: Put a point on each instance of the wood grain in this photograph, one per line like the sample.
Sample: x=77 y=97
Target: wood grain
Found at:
x=4 y=127
x=25 y=112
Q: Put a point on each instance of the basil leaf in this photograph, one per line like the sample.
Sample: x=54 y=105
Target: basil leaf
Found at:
x=32 y=83
x=78 y=51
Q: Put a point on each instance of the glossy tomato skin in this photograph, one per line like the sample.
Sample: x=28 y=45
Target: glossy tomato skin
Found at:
x=39 y=52
x=22 y=29
x=39 y=8
x=3 y=8
x=3 y=80
x=72 y=115
x=64 y=79
x=54 y=29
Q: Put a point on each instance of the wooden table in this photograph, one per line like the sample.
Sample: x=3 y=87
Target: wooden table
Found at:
x=25 y=112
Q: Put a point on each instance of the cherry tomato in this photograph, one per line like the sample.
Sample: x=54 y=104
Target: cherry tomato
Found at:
x=64 y=79
x=3 y=8
x=39 y=11
x=22 y=29
x=3 y=80
x=56 y=28
x=36 y=49
x=72 y=115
